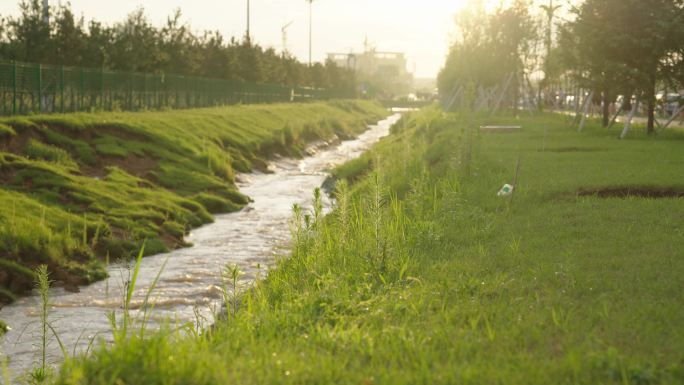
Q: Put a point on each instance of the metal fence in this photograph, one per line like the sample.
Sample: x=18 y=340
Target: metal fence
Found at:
x=35 y=88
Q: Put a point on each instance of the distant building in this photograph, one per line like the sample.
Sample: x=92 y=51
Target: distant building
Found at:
x=379 y=73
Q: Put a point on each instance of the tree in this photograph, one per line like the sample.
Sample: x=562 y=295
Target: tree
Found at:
x=176 y=45
x=491 y=48
x=629 y=44
x=590 y=48
x=28 y=36
x=69 y=38
x=96 y=52
x=136 y=45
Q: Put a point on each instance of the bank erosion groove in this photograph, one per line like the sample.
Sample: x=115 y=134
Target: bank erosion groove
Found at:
x=81 y=188
x=423 y=275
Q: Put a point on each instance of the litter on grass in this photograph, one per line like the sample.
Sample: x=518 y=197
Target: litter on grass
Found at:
x=505 y=191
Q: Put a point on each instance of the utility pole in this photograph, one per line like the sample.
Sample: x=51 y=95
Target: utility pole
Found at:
x=46 y=12
x=284 y=34
x=310 y=28
x=550 y=11
x=247 y=34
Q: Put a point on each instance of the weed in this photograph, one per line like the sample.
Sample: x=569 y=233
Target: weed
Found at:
x=231 y=295
x=42 y=372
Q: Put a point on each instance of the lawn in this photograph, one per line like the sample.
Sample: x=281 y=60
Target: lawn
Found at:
x=424 y=275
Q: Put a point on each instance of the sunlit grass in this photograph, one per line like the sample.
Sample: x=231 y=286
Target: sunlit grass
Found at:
x=423 y=275
x=76 y=188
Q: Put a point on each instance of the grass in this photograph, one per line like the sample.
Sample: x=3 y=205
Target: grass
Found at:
x=79 y=188
x=3 y=328
x=6 y=131
x=41 y=372
x=423 y=275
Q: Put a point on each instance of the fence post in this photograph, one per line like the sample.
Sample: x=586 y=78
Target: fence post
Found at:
x=102 y=89
x=40 y=88
x=155 y=80
x=61 y=88
x=144 y=91
x=14 y=88
x=130 y=78
x=82 y=89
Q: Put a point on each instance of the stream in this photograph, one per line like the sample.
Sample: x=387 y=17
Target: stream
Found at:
x=189 y=286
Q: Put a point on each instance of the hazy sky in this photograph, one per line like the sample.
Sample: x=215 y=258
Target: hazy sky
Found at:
x=420 y=28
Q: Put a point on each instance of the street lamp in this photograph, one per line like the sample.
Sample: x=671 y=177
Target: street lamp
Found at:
x=310 y=27
x=247 y=35
x=46 y=12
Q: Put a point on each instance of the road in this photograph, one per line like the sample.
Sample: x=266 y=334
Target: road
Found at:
x=677 y=123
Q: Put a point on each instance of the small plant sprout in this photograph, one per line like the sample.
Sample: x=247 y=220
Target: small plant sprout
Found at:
x=317 y=206
x=296 y=229
x=41 y=373
x=231 y=276
x=342 y=197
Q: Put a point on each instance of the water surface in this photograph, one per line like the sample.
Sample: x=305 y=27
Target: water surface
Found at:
x=189 y=286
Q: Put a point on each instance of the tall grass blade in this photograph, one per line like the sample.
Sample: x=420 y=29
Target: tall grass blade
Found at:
x=149 y=293
x=65 y=353
x=130 y=288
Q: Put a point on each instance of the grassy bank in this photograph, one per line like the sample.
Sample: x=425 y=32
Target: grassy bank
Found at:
x=80 y=188
x=424 y=275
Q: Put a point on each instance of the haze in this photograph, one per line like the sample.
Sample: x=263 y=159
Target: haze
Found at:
x=421 y=29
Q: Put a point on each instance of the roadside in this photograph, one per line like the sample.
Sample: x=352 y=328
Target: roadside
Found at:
x=677 y=123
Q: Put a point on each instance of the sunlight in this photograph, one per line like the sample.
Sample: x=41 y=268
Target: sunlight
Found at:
x=341 y=191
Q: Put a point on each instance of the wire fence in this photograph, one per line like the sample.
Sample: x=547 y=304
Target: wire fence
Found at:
x=27 y=88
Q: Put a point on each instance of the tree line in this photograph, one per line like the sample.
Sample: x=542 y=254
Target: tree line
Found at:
x=135 y=44
x=610 y=47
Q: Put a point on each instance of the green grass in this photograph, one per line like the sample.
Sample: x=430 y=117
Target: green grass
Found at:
x=6 y=131
x=3 y=328
x=77 y=188
x=423 y=275
x=40 y=151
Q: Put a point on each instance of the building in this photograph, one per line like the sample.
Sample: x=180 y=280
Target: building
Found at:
x=379 y=73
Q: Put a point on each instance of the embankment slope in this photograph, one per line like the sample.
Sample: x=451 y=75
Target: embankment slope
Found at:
x=76 y=189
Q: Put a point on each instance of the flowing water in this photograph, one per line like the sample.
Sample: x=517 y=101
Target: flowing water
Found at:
x=189 y=287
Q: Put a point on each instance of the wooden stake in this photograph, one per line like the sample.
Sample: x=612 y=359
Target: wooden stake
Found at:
x=587 y=102
x=515 y=178
x=628 y=123
x=455 y=95
x=578 y=106
x=502 y=95
x=674 y=116
x=533 y=99
x=617 y=112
